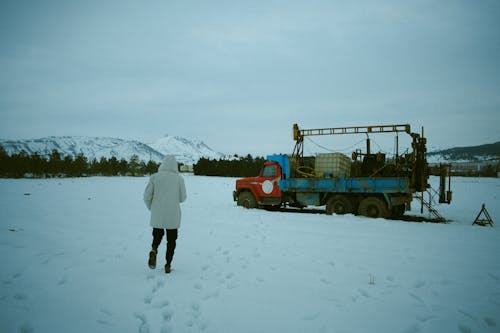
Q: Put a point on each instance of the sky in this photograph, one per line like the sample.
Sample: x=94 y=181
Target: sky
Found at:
x=238 y=74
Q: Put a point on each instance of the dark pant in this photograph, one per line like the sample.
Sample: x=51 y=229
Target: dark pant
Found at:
x=171 y=242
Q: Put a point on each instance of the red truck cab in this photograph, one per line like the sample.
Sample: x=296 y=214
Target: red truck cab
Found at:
x=262 y=190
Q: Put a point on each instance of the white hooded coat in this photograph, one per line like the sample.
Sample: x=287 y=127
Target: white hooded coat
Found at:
x=163 y=195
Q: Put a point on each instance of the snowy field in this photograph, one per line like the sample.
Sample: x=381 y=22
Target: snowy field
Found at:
x=74 y=251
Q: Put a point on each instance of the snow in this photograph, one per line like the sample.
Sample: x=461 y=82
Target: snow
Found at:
x=185 y=150
x=74 y=253
x=91 y=147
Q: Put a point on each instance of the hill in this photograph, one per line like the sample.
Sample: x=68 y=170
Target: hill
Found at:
x=186 y=151
x=466 y=154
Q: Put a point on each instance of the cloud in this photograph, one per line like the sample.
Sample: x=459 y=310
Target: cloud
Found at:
x=238 y=75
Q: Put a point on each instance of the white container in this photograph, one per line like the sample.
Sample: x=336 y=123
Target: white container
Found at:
x=332 y=165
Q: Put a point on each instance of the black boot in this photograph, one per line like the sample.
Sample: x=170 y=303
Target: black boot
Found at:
x=152 y=259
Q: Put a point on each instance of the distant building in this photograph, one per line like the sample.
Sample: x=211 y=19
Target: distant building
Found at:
x=469 y=167
x=186 y=168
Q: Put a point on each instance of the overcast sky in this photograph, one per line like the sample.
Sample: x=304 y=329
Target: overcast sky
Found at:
x=238 y=74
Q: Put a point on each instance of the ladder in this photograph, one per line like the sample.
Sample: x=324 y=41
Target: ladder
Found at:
x=429 y=204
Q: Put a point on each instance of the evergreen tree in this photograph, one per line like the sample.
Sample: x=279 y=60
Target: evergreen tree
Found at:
x=243 y=167
x=151 y=168
x=55 y=165
x=80 y=165
x=104 y=167
x=134 y=165
x=93 y=167
x=37 y=165
x=68 y=166
x=4 y=162
x=114 y=166
x=123 y=167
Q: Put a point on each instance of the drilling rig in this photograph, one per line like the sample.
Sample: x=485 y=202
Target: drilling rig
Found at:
x=366 y=183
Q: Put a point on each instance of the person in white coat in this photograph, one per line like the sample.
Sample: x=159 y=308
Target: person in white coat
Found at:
x=163 y=195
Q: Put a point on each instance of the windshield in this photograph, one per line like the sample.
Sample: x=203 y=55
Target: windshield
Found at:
x=269 y=171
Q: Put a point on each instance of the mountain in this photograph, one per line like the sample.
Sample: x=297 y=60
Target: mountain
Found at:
x=185 y=150
x=91 y=147
x=461 y=154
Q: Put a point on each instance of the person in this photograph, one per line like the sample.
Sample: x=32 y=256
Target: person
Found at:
x=163 y=195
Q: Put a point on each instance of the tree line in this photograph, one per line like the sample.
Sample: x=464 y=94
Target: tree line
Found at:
x=247 y=166
x=23 y=164
x=489 y=170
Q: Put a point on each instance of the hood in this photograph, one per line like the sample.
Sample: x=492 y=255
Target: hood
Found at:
x=169 y=163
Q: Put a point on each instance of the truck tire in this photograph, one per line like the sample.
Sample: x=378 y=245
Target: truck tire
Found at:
x=398 y=211
x=247 y=200
x=373 y=207
x=339 y=204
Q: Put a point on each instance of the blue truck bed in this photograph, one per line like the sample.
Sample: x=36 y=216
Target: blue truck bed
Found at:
x=381 y=185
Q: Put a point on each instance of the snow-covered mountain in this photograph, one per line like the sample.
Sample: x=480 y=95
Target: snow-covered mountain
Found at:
x=91 y=147
x=185 y=150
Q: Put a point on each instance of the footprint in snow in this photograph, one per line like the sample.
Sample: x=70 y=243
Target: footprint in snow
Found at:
x=494 y=277
x=490 y=322
x=467 y=314
x=167 y=315
x=106 y=312
x=325 y=281
x=425 y=318
x=166 y=329
x=20 y=296
x=464 y=328
x=419 y=284
x=414 y=328
x=195 y=309
x=148 y=299
x=364 y=293
x=162 y=305
x=63 y=280
x=232 y=285
x=311 y=316
x=417 y=298
x=17 y=275
x=196 y=319
x=104 y=322
x=26 y=328
x=212 y=294
x=143 y=326
x=159 y=284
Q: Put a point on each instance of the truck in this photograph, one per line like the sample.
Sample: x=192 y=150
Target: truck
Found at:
x=366 y=183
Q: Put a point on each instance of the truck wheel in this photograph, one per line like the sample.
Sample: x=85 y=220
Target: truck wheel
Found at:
x=398 y=211
x=338 y=204
x=247 y=200
x=373 y=207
